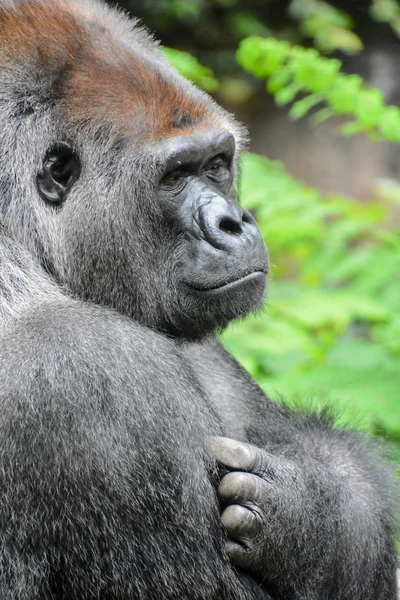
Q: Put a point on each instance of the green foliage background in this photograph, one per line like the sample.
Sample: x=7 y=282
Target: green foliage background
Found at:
x=330 y=332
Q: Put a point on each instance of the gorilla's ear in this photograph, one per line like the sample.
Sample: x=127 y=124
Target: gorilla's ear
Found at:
x=61 y=169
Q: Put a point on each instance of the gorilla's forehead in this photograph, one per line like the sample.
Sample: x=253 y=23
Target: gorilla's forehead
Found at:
x=100 y=66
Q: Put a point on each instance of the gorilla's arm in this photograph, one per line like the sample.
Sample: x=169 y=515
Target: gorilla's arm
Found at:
x=307 y=507
x=104 y=482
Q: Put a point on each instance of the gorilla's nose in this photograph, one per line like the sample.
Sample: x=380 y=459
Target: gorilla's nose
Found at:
x=225 y=224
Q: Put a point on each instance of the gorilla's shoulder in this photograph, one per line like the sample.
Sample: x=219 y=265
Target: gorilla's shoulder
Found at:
x=83 y=331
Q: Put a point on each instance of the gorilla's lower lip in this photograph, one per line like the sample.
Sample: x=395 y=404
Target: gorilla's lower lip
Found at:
x=255 y=276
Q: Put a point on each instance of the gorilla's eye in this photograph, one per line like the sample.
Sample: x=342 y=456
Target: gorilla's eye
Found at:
x=218 y=168
x=61 y=169
x=175 y=177
x=171 y=177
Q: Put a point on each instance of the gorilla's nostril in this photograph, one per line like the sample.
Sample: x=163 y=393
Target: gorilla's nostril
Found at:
x=247 y=218
x=229 y=225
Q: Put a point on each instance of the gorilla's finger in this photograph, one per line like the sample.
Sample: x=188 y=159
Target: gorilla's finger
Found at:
x=241 y=488
x=240 y=523
x=235 y=455
x=239 y=555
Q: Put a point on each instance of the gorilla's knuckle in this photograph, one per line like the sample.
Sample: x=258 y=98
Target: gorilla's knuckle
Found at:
x=237 y=518
x=242 y=488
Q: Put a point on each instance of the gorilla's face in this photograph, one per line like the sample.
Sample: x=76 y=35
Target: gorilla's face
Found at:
x=132 y=199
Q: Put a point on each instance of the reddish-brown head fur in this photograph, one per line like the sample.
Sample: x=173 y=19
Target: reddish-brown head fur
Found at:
x=97 y=70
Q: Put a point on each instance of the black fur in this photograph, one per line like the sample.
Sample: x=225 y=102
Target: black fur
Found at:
x=111 y=382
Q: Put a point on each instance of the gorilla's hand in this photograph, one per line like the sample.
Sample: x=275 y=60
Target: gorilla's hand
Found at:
x=266 y=506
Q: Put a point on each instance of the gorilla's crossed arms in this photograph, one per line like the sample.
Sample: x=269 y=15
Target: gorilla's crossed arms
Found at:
x=137 y=459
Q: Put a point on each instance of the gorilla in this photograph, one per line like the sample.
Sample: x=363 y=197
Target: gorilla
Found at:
x=138 y=460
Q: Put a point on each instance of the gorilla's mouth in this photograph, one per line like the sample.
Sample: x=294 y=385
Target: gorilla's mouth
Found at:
x=255 y=277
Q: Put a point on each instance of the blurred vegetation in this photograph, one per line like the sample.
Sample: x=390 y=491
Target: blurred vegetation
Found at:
x=331 y=328
x=330 y=331
x=212 y=30
x=293 y=70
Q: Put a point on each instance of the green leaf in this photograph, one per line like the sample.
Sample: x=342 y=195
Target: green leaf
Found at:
x=262 y=57
x=313 y=73
x=287 y=94
x=370 y=107
x=349 y=129
x=303 y=106
x=279 y=81
x=389 y=124
x=343 y=96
